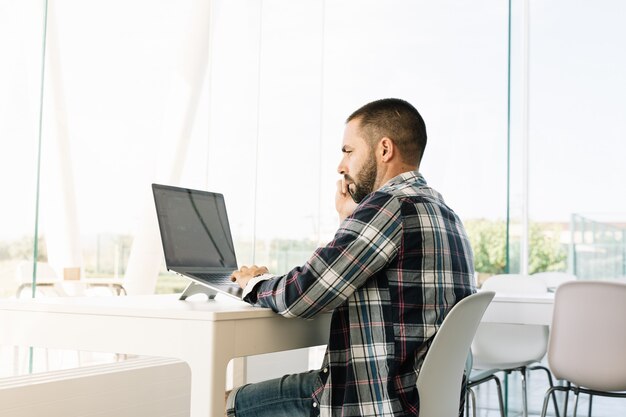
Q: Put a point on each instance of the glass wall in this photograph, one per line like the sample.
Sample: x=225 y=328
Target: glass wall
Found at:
x=285 y=98
x=249 y=98
x=120 y=99
x=122 y=94
x=576 y=136
x=21 y=43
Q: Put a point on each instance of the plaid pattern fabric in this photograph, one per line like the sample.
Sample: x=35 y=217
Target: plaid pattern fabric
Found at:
x=393 y=271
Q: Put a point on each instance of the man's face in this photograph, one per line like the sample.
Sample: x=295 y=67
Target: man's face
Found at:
x=358 y=164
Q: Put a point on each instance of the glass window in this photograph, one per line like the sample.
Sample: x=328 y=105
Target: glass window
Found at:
x=576 y=130
x=21 y=45
x=124 y=106
x=233 y=105
x=449 y=59
x=284 y=77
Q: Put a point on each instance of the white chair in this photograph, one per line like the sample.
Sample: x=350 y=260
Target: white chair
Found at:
x=45 y=272
x=588 y=340
x=440 y=378
x=510 y=347
x=49 y=283
x=553 y=278
x=477 y=378
x=46 y=280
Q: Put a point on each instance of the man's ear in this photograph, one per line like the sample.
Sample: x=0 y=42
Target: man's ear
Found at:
x=387 y=149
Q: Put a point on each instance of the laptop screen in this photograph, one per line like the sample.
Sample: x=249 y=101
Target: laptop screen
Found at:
x=194 y=228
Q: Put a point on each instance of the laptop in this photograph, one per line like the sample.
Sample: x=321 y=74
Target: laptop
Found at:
x=196 y=239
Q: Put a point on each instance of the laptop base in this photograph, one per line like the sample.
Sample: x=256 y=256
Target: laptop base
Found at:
x=194 y=288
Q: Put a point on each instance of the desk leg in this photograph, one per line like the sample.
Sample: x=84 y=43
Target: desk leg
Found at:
x=208 y=382
x=208 y=372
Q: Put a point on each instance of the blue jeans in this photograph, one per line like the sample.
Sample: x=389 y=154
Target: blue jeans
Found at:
x=289 y=396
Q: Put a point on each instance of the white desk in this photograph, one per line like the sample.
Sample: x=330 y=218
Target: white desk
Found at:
x=206 y=335
x=520 y=309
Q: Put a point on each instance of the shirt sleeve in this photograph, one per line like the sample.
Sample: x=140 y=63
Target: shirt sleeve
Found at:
x=248 y=293
x=365 y=243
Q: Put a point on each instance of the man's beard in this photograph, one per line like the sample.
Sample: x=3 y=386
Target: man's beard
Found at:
x=366 y=179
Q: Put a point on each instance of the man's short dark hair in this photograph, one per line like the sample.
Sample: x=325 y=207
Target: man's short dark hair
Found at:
x=399 y=121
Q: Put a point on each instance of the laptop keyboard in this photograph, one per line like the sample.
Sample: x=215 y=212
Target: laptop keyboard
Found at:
x=216 y=277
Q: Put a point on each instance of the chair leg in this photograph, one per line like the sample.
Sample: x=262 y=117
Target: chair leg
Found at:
x=506 y=393
x=481 y=381
x=524 y=393
x=469 y=397
x=569 y=386
x=551 y=382
x=473 y=397
x=500 y=401
x=577 y=394
x=546 y=399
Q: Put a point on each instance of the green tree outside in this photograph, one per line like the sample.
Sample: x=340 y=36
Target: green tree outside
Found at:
x=488 y=239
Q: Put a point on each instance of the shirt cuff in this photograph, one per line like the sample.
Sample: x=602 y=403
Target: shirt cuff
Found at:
x=252 y=284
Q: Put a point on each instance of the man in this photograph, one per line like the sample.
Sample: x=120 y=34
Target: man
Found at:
x=398 y=263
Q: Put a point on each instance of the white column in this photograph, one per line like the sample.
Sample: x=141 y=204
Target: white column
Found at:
x=182 y=104
x=60 y=218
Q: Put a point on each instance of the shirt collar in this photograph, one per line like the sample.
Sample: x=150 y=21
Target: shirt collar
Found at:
x=407 y=177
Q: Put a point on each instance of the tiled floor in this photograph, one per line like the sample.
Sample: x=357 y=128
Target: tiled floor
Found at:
x=537 y=384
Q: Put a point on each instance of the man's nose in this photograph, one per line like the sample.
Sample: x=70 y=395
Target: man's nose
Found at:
x=341 y=168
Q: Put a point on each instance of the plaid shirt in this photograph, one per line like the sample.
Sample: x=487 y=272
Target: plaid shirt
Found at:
x=393 y=271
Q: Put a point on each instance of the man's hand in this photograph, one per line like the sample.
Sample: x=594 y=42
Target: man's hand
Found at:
x=344 y=204
x=245 y=274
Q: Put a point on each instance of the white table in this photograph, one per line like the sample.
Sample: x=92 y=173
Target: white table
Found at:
x=520 y=309
x=207 y=335
x=204 y=334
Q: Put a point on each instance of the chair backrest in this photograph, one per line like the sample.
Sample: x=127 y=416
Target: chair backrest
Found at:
x=553 y=278
x=505 y=346
x=45 y=272
x=440 y=377
x=588 y=338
